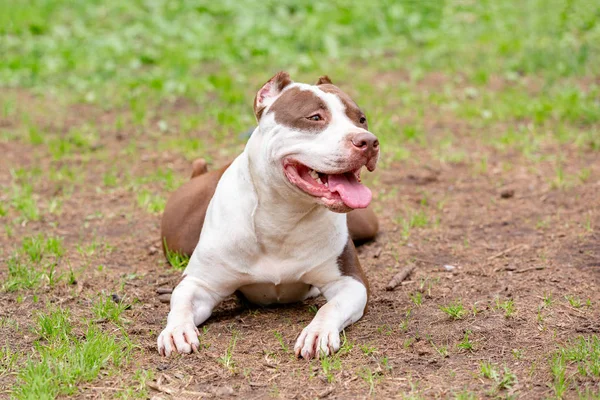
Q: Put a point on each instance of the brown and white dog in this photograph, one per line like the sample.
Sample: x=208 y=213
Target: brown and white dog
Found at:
x=265 y=222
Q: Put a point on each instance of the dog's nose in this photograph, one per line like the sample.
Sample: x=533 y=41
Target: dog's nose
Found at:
x=365 y=141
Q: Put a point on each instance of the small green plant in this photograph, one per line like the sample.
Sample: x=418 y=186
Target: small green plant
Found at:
x=8 y=359
x=547 y=300
x=54 y=325
x=385 y=362
x=417 y=298
x=508 y=306
x=109 y=309
x=487 y=370
x=442 y=350
x=454 y=310
x=517 y=353
x=227 y=359
x=417 y=219
x=584 y=174
x=370 y=377
x=465 y=343
x=346 y=345
x=574 y=301
x=405 y=321
x=465 y=395
x=385 y=329
x=177 y=260
x=330 y=364
x=281 y=341
x=153 y=203
x=501 y=381
x=508 y=380
x=368 y=350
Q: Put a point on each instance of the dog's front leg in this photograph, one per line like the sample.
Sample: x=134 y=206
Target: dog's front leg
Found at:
x=346 y=302
x=191 y=304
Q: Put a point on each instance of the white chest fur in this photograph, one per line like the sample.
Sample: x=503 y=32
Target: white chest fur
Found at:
x=261 y=243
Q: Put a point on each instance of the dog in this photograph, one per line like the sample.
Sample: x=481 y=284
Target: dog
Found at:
x=273 y=224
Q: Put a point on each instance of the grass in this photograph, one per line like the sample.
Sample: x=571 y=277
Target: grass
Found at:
x=417 y=298
x=371 y=377
x=177 y=260
x=508 y=306
x=465 y=343
x=502 y=381
x=281 y=340
x=574 y=301
x=226 y=360
x=110 y=309
x=34 y=263
x=63 y=359
x=454 y=310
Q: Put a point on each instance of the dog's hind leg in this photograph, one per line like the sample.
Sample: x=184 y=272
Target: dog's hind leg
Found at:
x=362 y=225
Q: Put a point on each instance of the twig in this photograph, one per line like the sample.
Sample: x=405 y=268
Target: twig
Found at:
x=399 y=277
x=538 y=268
x=325 y=393
x=160 y=388
x=504 y=252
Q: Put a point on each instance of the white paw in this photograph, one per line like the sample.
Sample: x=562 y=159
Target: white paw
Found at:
x=182 y=338
x=316 y=340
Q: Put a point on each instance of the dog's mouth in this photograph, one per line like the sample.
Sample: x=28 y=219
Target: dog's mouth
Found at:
x=338 y=191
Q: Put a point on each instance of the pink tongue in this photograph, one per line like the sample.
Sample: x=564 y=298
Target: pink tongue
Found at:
x=353 y=193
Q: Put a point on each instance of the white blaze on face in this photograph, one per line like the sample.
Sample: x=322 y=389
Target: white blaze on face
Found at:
x=310 y=129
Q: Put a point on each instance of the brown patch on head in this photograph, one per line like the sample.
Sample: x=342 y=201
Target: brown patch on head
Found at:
x=272 y=88
x=323 y=80
x=295 y=106
x=353 y=112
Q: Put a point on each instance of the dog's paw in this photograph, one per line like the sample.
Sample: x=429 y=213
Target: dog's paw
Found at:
x=317 y=340
x=182 y=338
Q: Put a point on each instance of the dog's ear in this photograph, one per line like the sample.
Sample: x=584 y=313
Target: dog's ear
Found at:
x=270 y=91
x=324 y=80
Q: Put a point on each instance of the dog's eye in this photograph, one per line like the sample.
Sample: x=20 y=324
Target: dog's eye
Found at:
x=315 y=117
x=362 y=120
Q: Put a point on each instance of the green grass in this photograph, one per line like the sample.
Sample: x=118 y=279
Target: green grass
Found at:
x=226 y=360
x=465 y=343
x=62 y=359
x=106 y=308
x=508 y=306
x=454 y=310
x=177 y=260
x=34 y=263
x=151 y=202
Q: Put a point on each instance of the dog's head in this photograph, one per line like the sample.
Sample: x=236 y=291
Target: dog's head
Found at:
x=314 y=140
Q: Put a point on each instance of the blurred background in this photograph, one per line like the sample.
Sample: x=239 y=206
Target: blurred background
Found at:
x=489 y=117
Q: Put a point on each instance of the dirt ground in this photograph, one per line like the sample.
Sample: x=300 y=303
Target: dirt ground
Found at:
x=490 y=234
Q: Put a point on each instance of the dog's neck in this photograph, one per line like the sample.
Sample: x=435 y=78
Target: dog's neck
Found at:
x=280 y=210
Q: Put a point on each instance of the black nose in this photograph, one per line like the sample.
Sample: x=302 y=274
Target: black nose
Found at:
x=365 y=141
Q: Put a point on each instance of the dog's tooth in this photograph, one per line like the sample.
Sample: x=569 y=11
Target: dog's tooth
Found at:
x=314 y=174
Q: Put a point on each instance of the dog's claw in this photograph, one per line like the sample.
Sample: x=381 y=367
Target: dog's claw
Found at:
x=178 y=339
x=317 y=340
